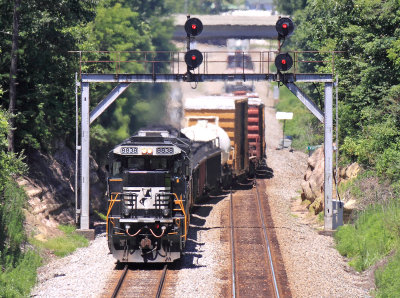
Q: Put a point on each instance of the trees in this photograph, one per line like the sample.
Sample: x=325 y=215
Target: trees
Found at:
x=45 y=68
x=13 y=73
x=369 y=73
x=289 y=7
x=132 y=26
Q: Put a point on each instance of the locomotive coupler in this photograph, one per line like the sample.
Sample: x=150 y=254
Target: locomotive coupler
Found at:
x=145 y=243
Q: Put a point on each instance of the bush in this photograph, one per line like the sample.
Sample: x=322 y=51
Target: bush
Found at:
x=369 y=239
x=388 y=163
x=378 y=147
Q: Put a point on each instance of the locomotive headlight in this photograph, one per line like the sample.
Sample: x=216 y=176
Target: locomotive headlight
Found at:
x=147 y=151
x=165 y=212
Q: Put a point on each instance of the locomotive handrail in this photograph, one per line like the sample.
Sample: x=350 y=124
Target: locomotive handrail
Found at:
x=110 y=207
x=180 y=203
x=132 y=194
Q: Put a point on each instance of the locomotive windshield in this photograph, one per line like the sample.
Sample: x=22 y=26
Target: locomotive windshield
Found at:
x=145 y=163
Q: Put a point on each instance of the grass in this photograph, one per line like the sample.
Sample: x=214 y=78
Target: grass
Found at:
x=369 y=239
x=63 y=245
x=387 y=278
x=374 y=235
x=19 y=280
x=320 y=217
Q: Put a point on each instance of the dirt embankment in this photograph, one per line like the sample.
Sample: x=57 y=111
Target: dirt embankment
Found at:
x=50 y=184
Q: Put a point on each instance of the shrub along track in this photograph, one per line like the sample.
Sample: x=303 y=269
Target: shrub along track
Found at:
x=257 y=265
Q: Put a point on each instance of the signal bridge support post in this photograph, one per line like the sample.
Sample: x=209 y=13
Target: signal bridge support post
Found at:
x=85 y=141
x=328 y=150
x=326 y=118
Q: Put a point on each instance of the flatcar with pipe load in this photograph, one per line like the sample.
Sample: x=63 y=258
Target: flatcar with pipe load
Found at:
x=154 y=178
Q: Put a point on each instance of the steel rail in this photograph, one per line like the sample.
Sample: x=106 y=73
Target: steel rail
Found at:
x=266 y=241
x=232 y=248
x=121 y=280
x=162 y=280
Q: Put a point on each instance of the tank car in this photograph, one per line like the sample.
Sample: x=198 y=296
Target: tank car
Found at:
x=204 y=131
x=155 y=176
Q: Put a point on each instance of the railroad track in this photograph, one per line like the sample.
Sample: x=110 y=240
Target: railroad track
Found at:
x=149 y=282
x=257 y=266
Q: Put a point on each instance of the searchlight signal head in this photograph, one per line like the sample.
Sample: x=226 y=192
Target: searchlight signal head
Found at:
x=193 y=26
x=284 y=27
x=283 y=62
x=193 y=59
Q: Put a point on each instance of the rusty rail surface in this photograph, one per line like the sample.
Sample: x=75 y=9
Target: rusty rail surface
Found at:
x=257 y=265
x=120 y=281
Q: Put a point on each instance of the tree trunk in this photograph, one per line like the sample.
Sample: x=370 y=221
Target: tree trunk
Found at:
x=13 y=75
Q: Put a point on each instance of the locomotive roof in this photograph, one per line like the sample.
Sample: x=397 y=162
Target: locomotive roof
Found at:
x=159 y=135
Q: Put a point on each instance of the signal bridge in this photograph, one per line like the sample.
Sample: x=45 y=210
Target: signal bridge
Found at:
x=193 y=66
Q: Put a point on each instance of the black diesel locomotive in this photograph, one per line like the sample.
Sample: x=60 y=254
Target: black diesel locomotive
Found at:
x=155 y=177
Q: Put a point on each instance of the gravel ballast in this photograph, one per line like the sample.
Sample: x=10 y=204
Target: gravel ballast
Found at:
x=81 y=274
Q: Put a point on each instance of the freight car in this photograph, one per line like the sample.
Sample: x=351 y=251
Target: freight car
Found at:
x=256 y=132
x=230 y=114
x=155 y=177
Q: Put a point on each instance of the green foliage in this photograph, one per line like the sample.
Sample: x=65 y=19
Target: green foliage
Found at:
x=202 y=6
x=63 y=245
x=18 y=266
x=289 y=7
x=304 y=127
x=12 y=200
x=370 y=238
x=11 y=218
x=45 y=98
x=129 y=26
x=387 y=278
x=11 y=164
x=377 y=146
x=18 y=281
x=369 y=74
x=321 y=217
